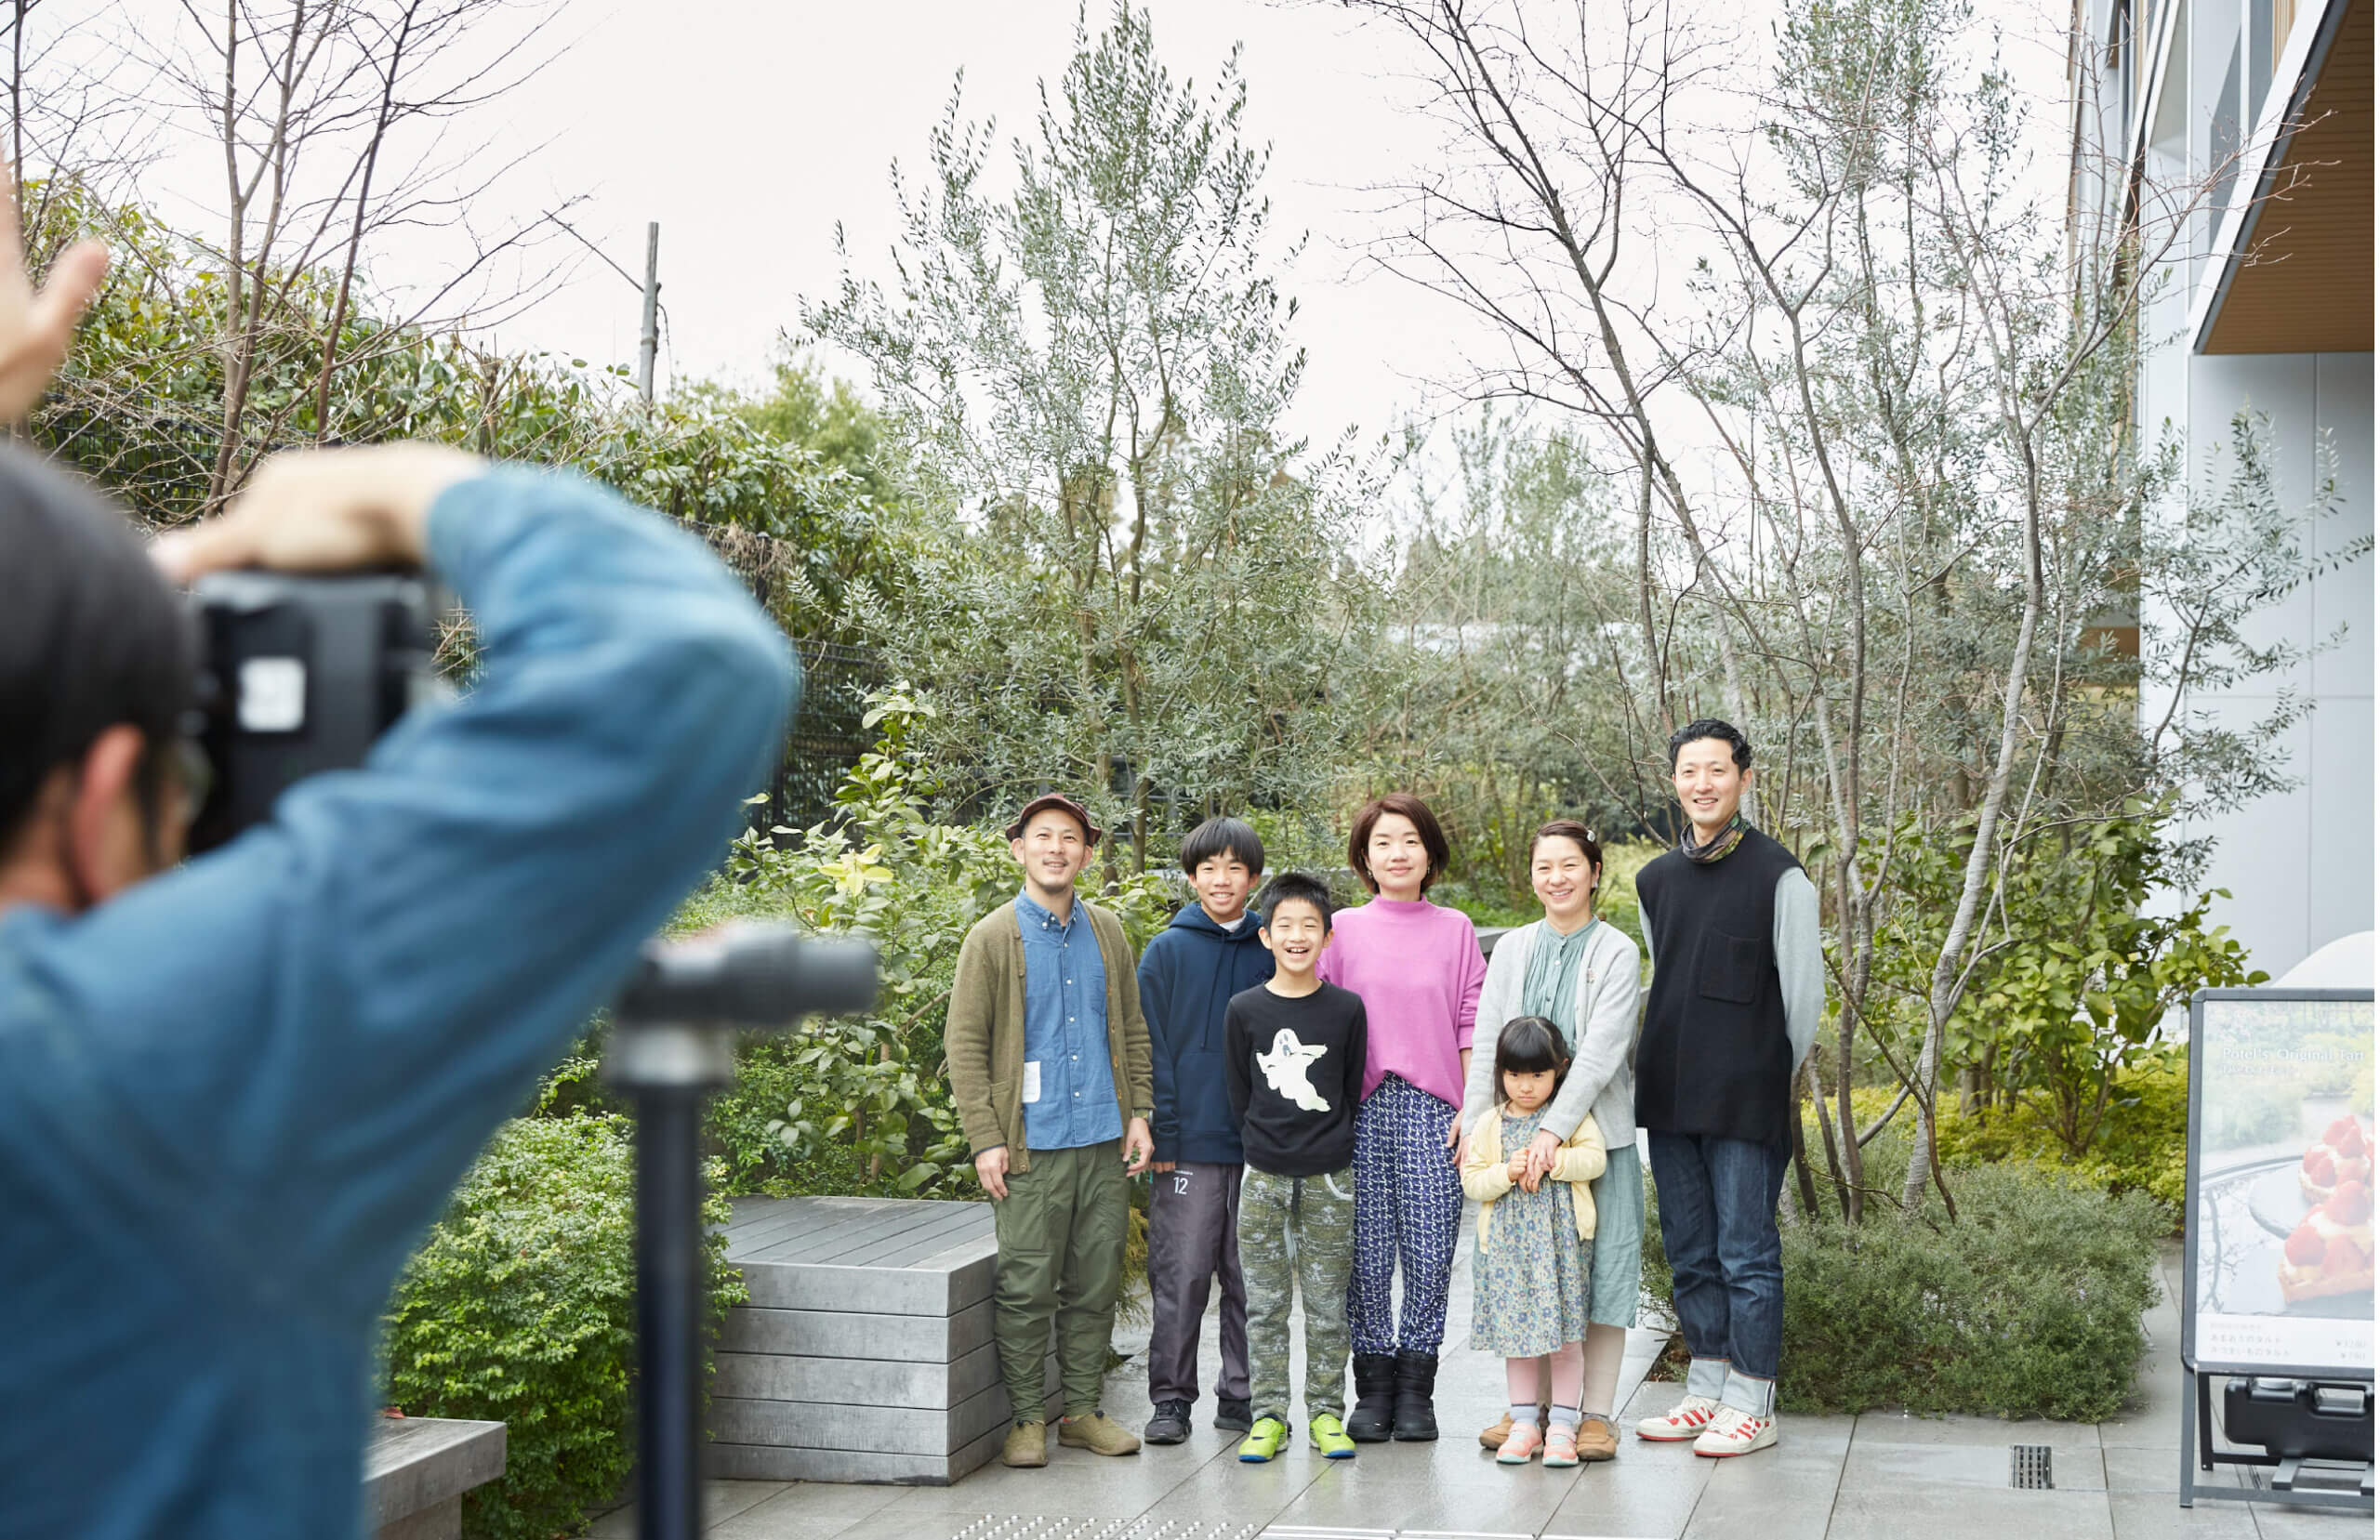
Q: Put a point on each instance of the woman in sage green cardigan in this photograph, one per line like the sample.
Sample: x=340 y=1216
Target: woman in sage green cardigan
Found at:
x=1581 y=973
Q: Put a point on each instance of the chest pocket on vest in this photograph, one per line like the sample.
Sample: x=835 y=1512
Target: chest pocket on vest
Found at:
x=1727 y=967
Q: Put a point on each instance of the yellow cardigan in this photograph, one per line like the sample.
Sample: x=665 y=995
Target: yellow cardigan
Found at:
x=1485 y=1178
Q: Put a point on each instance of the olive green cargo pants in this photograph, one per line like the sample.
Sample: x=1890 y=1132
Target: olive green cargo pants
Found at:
x=1061 y=1234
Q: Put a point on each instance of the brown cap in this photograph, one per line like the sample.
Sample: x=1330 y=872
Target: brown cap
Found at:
x=1090 y=832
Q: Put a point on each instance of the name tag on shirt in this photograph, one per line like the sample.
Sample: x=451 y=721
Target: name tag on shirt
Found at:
x=1033 y=1080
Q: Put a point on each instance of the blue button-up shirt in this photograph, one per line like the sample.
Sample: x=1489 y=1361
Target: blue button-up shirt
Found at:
x=232 y=1098
x=1069 y=1086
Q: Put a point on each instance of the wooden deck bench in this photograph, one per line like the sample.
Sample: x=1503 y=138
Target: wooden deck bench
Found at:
x=866 y=1351
x=418 y=1469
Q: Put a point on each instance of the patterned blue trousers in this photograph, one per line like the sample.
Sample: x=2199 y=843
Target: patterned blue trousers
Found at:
x=1408 y=1208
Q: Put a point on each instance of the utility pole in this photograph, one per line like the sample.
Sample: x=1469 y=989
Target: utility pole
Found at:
x=650 y=343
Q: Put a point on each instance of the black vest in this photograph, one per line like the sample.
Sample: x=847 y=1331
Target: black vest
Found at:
x=1714 y=1056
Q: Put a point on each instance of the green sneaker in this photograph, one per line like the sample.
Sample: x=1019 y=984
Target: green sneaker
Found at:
x=1264 y=1440
x=1326 y=1435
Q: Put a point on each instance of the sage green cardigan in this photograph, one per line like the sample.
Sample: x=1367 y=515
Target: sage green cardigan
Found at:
x=985 y=1039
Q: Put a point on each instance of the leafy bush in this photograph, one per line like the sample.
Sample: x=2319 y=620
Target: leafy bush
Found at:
x=2027 y=1305
x=519 y=1309
x=2140 y=1144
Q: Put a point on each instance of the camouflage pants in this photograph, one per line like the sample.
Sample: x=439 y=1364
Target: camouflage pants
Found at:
x=1312 y=1218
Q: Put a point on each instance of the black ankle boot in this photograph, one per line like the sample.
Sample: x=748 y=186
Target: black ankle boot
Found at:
x=1375 y=1408
x=1417 y=1378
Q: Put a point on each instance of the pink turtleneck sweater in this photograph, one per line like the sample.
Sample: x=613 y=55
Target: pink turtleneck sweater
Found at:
x=1418 y=969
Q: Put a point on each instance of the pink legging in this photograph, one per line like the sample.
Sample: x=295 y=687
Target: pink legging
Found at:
x=1525 y=1383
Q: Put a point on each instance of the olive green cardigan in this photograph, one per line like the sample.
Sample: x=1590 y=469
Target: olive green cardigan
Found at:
x=985 y=1039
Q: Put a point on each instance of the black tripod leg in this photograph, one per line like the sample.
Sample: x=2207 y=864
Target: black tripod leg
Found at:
x=669 y=1311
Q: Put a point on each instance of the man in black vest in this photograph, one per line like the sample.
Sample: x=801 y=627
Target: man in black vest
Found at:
x=1738 y=981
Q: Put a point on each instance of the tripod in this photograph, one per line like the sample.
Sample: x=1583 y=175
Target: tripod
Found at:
x=671 y=1047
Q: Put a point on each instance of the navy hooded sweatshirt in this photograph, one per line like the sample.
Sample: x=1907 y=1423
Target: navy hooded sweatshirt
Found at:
x=1188 y=975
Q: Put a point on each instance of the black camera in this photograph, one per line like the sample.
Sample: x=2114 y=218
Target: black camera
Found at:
x=299 y=675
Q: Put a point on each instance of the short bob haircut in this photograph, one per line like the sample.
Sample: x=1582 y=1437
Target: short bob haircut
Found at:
x=1407 y=806
x=1297 y=888
x=1222 y=836
x=91 y=636
x=1530 y=1044
x=1572 y=830
x=1711 y=727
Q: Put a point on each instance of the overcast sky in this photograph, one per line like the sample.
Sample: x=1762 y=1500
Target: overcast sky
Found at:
x=750 y=129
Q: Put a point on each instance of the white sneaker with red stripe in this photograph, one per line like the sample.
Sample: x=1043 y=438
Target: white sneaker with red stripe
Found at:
x=1683 y=1421
x=1734 y=1432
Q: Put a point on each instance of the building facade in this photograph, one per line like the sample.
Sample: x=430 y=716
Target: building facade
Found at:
x=2226 y=148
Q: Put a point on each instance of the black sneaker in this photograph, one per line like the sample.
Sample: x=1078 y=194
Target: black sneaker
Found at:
x=1234 y=1417
x=1171 y=1424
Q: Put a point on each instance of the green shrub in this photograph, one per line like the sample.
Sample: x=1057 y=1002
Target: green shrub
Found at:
x=2141 y=1144
x=520 y=1308
x=2027 y=1305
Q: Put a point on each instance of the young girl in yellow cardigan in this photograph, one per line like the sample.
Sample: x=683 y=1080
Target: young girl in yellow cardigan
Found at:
x=1529 y=1279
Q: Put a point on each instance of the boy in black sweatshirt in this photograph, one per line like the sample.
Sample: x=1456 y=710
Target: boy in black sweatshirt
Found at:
x=1294 y=1056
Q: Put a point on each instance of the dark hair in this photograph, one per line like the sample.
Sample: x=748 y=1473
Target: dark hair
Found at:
x=1572 y=830
x=91 y=636
x=1222 y=836
x=1297 y=888
x=1530 y=1044
x=1407 y=806
x=1711 y=727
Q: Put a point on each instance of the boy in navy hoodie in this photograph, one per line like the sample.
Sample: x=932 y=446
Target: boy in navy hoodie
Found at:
x=1189 y=973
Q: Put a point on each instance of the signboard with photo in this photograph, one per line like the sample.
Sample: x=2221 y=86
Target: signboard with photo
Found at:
x=2279 y=1258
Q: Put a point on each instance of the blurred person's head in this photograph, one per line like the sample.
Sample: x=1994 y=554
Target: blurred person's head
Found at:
x=97 y=673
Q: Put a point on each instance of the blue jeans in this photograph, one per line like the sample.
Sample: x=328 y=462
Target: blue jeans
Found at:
x=1718 y=1203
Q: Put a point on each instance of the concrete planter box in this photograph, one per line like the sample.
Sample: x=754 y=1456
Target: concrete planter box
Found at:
x=866 y=1352
x=417 y=1468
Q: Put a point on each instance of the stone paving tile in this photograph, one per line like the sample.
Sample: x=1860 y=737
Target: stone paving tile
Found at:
x=2133 y=1468
x=2143 y=1516
x=1968 y=1513
x=1884 y=1467
x=2291 y=1522
x=721 y=1501
x=1902 y=1427
x=1075 y=1482
x=1650 y=1490
x=1517 y=1500
x=805 y=1510
x=1787 y=1493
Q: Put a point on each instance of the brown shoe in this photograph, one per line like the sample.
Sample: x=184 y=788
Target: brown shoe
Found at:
x=1027 y=1446
x=1597 y=1440
x=1494 y=1437
x=1100 y=1434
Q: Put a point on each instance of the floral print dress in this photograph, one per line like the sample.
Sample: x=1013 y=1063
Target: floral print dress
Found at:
x=1529 y=1275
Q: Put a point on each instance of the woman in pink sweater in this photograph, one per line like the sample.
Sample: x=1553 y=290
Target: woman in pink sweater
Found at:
x=1418 y=969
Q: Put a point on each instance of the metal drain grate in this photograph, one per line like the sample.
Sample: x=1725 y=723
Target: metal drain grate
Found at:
x=2028 y=1466
x=1050 y=1526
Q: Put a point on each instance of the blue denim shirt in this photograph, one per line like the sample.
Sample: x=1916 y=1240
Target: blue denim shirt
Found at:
x=1069 y=1086
x=232 y=1098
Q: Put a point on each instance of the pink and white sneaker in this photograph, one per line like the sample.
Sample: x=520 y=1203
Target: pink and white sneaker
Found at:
x=1734 y=1432
x=1520 y=1444
x=1683 y=1421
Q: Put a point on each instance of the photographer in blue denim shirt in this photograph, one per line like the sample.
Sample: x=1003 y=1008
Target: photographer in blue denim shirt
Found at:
x=235 y=1091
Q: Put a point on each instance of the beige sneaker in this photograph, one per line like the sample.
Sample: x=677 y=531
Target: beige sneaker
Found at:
x=1099 y=1433
x=1027 y=1446
x=1683 y=1421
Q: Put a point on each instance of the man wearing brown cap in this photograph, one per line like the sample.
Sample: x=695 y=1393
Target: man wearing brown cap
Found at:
x=1050 y=1068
